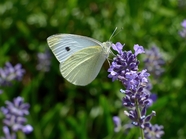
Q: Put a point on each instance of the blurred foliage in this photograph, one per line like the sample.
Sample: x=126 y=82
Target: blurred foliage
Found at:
x=60 y=110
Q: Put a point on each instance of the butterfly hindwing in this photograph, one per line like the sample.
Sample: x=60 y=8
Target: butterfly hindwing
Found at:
x=83 y=66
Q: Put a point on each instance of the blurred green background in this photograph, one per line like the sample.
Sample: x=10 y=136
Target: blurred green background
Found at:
x=60 y=110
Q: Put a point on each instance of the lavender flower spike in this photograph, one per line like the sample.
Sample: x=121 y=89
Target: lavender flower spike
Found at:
x=10 y=73
x=15 y=113
x=124 y=62
x=154 y=61
x=137 y=98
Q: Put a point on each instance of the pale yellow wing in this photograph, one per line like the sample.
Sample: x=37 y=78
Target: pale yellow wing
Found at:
x=82 y=67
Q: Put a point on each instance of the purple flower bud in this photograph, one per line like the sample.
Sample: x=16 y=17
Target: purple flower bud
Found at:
x=117 y=123
x=138 y=49
x=183 y=23
x=118 y=47
x=149 y=117
x=27 y=129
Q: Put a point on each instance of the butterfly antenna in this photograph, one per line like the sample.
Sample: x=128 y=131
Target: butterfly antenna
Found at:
x=113 y=33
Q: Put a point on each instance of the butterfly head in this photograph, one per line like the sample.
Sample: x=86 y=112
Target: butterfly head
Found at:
x=106 y=48
x=107 y=45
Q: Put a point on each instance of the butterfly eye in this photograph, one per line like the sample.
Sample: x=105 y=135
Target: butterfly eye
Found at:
x=67 y=48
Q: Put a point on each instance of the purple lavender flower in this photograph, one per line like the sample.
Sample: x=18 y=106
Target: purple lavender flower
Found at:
x=7 y=133
x=44 y=61
x=153 y=97
x=10 y=73
x=142 y=121
x=124 y=62
x=150 y=131
x=154 y=132
x=183 y=32
x=137 y=96
x=119 y=127
x=183 y=23
x=15 y=113
x=117 y=123
x=153 y=61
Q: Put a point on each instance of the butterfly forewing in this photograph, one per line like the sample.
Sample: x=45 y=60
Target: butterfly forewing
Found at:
x=65 y=45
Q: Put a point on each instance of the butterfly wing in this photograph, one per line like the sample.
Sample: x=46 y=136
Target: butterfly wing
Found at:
x=65 y=45
x=83 y=66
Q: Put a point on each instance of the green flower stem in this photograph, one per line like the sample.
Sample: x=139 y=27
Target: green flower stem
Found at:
x=139 y=114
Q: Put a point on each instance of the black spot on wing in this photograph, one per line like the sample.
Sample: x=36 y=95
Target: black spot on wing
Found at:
x=67 y=48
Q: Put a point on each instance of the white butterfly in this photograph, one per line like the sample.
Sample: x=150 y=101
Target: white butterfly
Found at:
x=80 y=57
